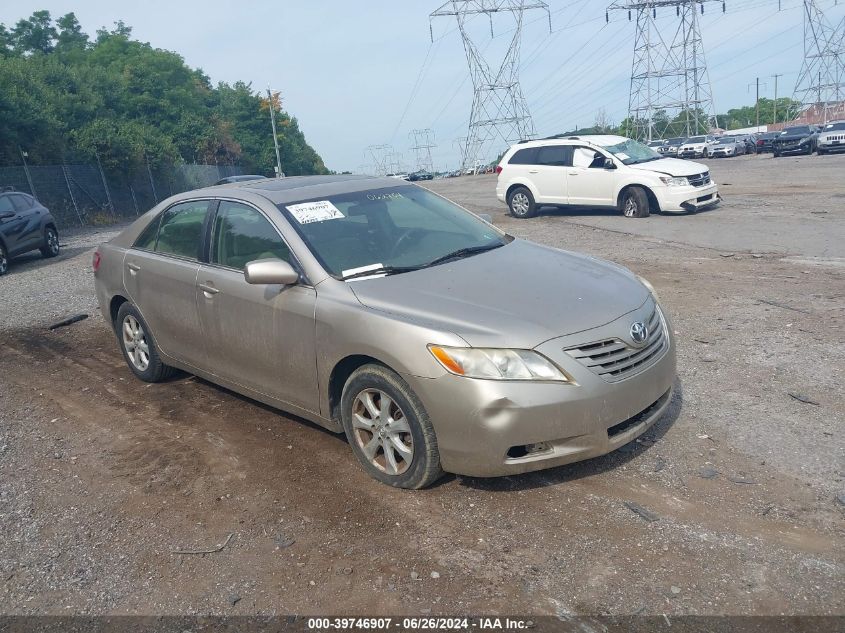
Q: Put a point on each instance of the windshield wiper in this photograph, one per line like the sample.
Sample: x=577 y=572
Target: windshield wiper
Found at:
x=463 y=252
x=382 y=270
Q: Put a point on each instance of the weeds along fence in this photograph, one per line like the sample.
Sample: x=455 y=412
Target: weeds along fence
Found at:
x=86 y=195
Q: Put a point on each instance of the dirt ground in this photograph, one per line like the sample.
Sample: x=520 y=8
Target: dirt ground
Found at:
x=103 y=478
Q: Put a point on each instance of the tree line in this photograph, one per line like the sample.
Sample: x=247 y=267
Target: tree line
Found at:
x=67 y=96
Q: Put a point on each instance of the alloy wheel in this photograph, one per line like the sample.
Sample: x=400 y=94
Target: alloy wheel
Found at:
x=630 y=209
x=52 y=242
x=382 y=432
x=135 y=343
x=520 y=204
x=4 y=261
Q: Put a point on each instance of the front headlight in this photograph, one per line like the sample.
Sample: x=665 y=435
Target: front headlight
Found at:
x=497 y=364
x=649 y=287
x=680 y=181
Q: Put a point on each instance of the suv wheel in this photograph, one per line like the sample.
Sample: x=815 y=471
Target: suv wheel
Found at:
x=634 y=203
x=4 y=260
x=51 y=243
x=521 y=203
x=388 y=429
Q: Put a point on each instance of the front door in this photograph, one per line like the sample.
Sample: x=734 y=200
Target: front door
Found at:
x=160 y=275
x=588 y=181
x=257 y=336
x=11 y=224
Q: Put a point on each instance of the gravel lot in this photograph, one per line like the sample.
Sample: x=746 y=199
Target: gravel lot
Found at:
x=103 y=478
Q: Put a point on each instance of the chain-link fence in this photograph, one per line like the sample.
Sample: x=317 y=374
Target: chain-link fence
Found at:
x=80 y=195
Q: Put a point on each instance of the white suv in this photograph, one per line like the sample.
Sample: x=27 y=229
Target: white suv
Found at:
x=600 y=171
x=697 y=147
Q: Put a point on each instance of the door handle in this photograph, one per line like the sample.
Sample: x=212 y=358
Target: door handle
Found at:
x=208 y=290
x=573 y=173
x=133 y=268
x=533 y=171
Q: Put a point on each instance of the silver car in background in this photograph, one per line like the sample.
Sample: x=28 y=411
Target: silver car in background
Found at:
x=831 y=138
x=381 y=310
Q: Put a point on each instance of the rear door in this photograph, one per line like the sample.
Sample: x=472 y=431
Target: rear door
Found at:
x=11 y=224
x=31 y=235
x=549 y=173
x=588 y=181
x=160 y=275
x=259 y=336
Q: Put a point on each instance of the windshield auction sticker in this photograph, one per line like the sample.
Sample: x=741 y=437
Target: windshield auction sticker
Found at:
x=319 y=211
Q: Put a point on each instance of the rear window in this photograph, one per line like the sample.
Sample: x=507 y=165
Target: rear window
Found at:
x=527 y=156
x=555 y=155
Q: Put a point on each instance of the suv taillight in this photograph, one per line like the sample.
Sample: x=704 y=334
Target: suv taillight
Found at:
x=95 y=263
x=498 y=169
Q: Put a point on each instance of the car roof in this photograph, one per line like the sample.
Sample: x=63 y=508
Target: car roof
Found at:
x=574 y=139
x=292 y=188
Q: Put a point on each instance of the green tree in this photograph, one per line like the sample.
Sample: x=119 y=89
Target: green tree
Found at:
x=34 y=35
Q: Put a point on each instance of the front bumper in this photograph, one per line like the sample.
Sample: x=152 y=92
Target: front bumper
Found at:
x=803 y=148
x=832 y=146
x=478 y=422
x=691 y=153
x=687 y=198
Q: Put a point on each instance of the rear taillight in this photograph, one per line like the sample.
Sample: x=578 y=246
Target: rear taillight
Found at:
x=498 y=169
x=95 y=263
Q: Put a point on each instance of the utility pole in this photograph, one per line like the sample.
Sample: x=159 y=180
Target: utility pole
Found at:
x=26 y=171
x=823 y=72
x=775 y=116
x=275 y=137
x=669 y=71
x=499 y=114
x=423 y=142
x=757 y=102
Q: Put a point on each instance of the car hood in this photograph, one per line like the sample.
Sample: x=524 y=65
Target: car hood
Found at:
x=793 y=137
x=516 y=296
x=672 y=167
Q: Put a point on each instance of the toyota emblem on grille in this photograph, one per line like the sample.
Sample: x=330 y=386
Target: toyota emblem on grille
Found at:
x=639 y=332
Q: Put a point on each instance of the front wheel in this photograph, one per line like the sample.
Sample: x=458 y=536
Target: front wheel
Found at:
x=138 y=346
x=50 y=248
x=389 y=429
x=4 y=260
x=634 y=203
x=521 y=203
x=819 y=151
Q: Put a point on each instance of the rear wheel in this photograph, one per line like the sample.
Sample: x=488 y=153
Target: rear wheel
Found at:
x=521 y=203
x=4 y=260
x=634 y=203
x=388 y=429
x=138 y=346
x=50 y=248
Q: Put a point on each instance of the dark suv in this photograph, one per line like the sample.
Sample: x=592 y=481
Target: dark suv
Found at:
x=25 y=225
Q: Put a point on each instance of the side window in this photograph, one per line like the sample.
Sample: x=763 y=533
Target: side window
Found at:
x=6 y=205
x=527 y=156
x=587 y=157
x=21 y=202
x=242 y=234
x=147 y=239
x=180 y=232
x=555 y=155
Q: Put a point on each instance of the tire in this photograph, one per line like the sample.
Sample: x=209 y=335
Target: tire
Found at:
x=820 y=151
x=362 y=405
x=521 y=203
x=145 y=365
x=775 y=154
x=4 y=260
x=633 y=203
x=51 y=243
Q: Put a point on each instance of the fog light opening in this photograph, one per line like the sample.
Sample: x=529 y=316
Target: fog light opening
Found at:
x=527 y=450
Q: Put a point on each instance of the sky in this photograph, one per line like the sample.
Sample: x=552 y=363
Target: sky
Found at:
x=357 y=74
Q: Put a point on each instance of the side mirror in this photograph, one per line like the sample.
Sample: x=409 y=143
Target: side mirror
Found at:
x=486 y=217
x=609 y=164
x=270 y=271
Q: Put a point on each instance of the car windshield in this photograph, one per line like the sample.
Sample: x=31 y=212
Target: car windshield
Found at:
x=631 y=152
x=391 y=229
x=728 y=140
x=675 y=141
x=835 y=127
x=801 y=129
x=696 y=139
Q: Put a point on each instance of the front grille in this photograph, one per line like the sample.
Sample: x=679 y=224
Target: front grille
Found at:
x=614 y=359
x=699 y=180
x=838 y=137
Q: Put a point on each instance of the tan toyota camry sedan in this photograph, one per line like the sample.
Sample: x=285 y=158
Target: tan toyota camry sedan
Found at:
x=381 y=310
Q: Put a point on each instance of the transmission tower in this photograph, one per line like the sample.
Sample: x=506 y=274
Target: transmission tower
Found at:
x=499 y=114
x=422 y=142
x=670 y=87
x=821 y=81
x=379 y=157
